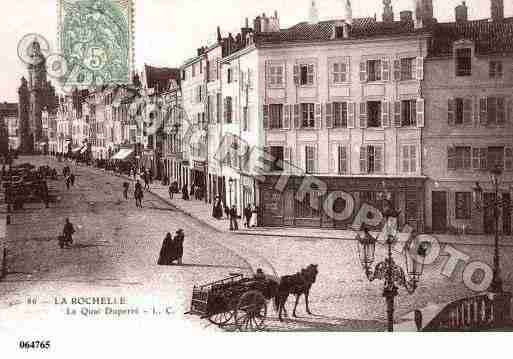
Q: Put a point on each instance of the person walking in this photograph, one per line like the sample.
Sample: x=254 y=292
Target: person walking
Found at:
x=226 y=210
x=171 y=191
x=150 y=176
x=126 y=186
x=67 y=233
x=167 y=252
x=146 y=181
x=254 y=217
x=72 y=179
x=247 y=215
x=185 y=193
x=234 y=225
x=68 y=182
x=193 y=189
x=178 y=242
x=217 y=211
x=138 y=194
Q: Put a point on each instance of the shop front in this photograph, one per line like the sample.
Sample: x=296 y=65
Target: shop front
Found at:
x=304 y=205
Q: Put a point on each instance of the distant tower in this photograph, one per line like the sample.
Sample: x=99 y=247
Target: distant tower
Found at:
x=314 y=13
x=24 y=118
x=38 y=88
x=388 y=12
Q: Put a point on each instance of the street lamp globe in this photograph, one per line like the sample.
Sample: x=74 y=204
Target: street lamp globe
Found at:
x=415 y=258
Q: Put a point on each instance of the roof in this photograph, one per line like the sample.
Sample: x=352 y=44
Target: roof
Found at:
x=489 y=37
x=366 y=27
x=158 y=77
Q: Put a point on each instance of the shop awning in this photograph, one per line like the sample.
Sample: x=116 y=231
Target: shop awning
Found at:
x=123 y=154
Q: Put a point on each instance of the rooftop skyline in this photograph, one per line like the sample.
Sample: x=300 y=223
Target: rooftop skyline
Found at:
x=169 y=31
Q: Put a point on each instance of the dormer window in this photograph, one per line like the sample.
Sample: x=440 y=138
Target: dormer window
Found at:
x=464 y=62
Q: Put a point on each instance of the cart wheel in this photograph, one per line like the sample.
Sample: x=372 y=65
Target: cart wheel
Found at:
x=221 y=318
x=251 y=311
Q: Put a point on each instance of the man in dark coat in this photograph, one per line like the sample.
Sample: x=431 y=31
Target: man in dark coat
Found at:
x=167 y=252
x=72 y=179
x=185 y=193
x=217 y=211
x=67 y=232
x=138 y=194
x=126 y=186
x=234 y=225
x=247 y=215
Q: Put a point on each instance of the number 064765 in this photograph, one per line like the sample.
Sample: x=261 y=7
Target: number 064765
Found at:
x=34 y=344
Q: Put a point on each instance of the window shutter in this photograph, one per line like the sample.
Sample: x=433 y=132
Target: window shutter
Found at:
x=343 y=70
x=297 y=122
x=226 y=110
x=378 y=159
x=467 y=111
x=397 y=70
x=385 y=69
x=421 y=112
x=385 y=114
x=265 y=111
x=351 y=109
x=451 y=112
x=508 y=158
x=501 y=111
x=363 y=159
x=476 y=164
x=363 y=114
x=318 y=115
x=406 y=159
x=483 y=112
x=235 y=110
x=499 y=69
x=286 y=157
x=342 y=159
x=397 y=113
x=413 y=155
x=296 y=75
x=363 y=71
x=286 y=117
x=484 y=156
x=316 y=159
x=451 y=158
x=475 y=105
x=302 y=157
x=334 y=158
x=420 y=69
x=328 y=113
x=509 y=115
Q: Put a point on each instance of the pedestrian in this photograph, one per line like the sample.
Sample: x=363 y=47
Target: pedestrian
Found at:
x=171 y=191
x=68 y=182
x=72 y=179
x=178 y=243
x=193 y=189
x=217 y=211
x=138 y=194
x=46 y=198
x=67 y=234
x=126 y=186
x=226 y=210
x=254 y=217
x=146 y=181
x=150 y=176
x=167 y=252
x=234 y=225
x=185 y=192
x=247 y=215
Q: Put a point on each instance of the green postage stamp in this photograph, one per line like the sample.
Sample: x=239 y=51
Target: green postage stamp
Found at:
x=96 y=39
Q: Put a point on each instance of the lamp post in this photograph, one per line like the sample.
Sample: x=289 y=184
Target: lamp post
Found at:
x=387 y=270
x=230 y=183
x=495 y=206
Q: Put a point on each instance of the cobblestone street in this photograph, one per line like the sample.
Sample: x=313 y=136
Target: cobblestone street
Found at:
x=117 y=245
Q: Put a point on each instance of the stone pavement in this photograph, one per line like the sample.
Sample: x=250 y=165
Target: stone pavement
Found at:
x=203 y=212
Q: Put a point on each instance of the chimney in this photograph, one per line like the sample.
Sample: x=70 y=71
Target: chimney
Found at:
x=388 y=12
x=461 y=12
x=406 y=15
x=313 y=17
x=497 y=10
x=349 y=12
x=257 y=24
x=219 y=37
x=423 y=13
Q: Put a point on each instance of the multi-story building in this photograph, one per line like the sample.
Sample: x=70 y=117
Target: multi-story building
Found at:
x=9 y=113
x=340 y=101
x=469 y=120
x=49 y=125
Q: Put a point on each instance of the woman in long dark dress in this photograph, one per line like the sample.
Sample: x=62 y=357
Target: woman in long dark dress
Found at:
x=167 y=252
x=178 y=242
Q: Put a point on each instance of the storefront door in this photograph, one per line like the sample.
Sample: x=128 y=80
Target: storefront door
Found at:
x=439 y=211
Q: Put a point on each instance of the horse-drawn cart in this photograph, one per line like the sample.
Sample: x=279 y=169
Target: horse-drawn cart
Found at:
x=236 y=298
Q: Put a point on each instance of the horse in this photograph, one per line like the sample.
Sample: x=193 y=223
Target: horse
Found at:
x=297 y=284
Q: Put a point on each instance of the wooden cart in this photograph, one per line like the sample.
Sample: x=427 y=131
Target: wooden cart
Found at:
x=234 y=300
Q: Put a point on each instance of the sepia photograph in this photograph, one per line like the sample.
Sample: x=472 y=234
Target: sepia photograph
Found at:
x=256 y=178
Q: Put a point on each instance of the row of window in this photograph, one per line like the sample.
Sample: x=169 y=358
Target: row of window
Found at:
x=464 y=65
x=406 y=113
x=371 y=158
x=403 y=69
x=211 y=67
x=492 y=111
x=479 y=158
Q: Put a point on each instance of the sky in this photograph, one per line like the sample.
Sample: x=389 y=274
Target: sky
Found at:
x=169 y=31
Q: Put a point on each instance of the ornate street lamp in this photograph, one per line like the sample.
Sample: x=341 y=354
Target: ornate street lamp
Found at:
x=495 y=206
x=230 y=183
x=387 y=270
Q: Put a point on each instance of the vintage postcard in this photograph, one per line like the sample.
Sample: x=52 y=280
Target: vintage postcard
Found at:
x=176 y=174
